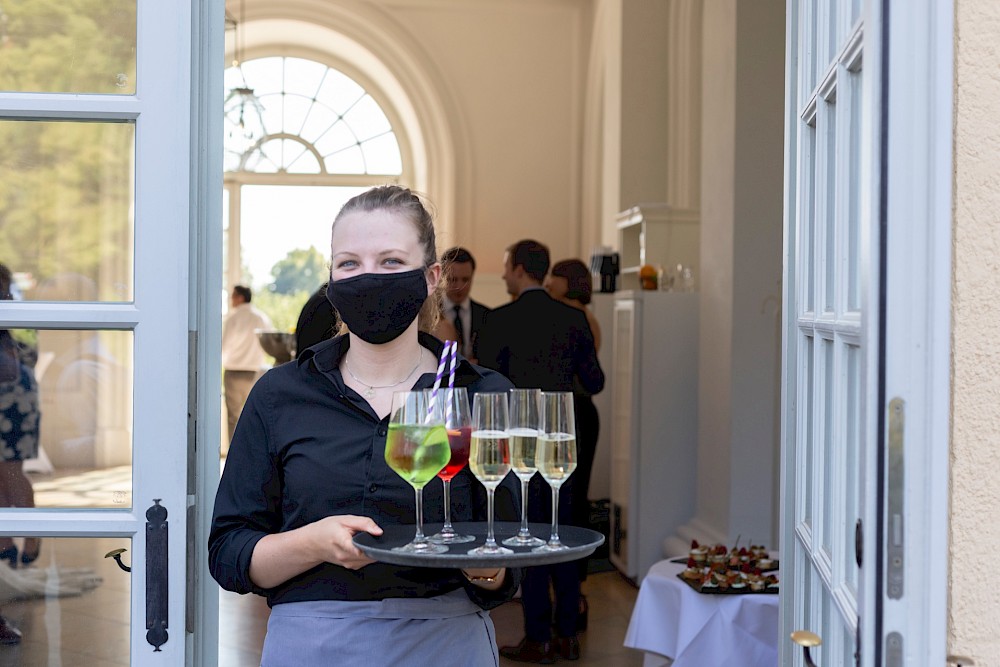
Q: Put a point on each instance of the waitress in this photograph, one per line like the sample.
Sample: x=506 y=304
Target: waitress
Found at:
x=306 y=470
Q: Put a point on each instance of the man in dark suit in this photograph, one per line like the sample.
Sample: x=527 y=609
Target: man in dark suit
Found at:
x=537 y=341
x=467 y=315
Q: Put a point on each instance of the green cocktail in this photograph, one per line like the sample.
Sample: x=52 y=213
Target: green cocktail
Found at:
x=416 y=448
x=417 y=452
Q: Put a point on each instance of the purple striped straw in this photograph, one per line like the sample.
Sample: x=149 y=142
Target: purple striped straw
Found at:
x=454 y=364
x=453 y=361
x=437 y=379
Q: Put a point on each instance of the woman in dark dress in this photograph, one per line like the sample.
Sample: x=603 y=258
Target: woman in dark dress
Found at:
x=570 y=281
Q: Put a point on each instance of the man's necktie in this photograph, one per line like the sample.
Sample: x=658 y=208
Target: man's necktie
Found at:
x=458 y=328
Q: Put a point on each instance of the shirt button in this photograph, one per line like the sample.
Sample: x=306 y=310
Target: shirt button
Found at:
x=373 y=488
x=381 y=430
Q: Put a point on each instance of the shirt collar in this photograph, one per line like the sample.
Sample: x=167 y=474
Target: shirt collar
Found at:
x=464 y=305
x=327 y=356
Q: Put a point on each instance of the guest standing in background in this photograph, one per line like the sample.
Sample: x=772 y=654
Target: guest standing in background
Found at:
x=570 y=281
x=445 y=329
x=539 y=342
x=466 y=315
x=317 y=321
x=242 y=356
x=19 y=422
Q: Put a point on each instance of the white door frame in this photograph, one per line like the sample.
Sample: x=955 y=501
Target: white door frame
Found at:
x=918 y=278
x=205 y=323
x=177 y=109
x=158 y=315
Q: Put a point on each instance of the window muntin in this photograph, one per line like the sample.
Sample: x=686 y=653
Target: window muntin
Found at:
x=292 y=115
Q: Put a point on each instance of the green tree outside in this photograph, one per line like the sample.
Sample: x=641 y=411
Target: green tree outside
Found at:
x=66 y=187
x=300 y=271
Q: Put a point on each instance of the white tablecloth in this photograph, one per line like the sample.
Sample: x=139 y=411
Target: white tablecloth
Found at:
x=698 y=630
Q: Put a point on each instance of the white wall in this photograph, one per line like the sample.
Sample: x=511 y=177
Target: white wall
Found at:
x=741 y=195
x=516 y=73
x=974 y=608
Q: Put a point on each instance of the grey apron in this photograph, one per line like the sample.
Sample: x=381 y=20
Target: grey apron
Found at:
x=448 y=630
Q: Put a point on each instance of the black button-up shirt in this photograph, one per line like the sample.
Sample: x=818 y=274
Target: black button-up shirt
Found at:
x=307 y=447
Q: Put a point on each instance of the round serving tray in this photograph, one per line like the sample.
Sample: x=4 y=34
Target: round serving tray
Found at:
x=581 y=542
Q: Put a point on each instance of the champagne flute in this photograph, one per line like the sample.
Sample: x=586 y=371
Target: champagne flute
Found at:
x=523 y=436
x=489 y=457
x=555 y=455
x=417 y=448
x=459 y=427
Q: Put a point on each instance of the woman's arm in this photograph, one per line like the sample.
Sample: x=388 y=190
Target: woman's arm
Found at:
x=279 y=557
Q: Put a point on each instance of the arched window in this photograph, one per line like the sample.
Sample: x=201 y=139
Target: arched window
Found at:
x=301 y=138
x=297 y=116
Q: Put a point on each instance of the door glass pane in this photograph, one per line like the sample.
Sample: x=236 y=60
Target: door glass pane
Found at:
x=71 y=605
x=823 y=654
x=827 y=510
x=66 y=208
x=802 y=599
x=847 y=640
x=68 y=47
x=808 y=437
x=852 y=491
x=808 y=215
x=828 y=220
x=66 y=411
x=809 y=44
x=854 y=194
x=830 y=19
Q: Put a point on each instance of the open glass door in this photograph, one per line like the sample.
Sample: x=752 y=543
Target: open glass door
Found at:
x=831 y=355
x=866 y=334
x=95 y=109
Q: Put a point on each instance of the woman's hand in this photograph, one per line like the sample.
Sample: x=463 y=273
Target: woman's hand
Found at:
x=333 y=539
x=281 y=556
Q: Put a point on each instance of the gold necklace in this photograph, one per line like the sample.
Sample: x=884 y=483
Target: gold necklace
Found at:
x=370 y=392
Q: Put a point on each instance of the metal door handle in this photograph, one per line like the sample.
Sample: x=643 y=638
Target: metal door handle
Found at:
x=117 y=555
x=806 y=640
x=156 y=575
x=960 y=661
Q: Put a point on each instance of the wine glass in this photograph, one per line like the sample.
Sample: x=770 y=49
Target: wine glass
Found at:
x=523 y=436
x=459 y=426
x=417 y=448
x=555 y=455
x=489 y=457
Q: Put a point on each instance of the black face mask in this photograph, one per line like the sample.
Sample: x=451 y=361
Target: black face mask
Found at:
x=378 y=307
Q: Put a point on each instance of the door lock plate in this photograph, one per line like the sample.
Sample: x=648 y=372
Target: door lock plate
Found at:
x=895 y=533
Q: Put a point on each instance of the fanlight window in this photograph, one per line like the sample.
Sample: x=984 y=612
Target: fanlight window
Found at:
x=297 y=116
